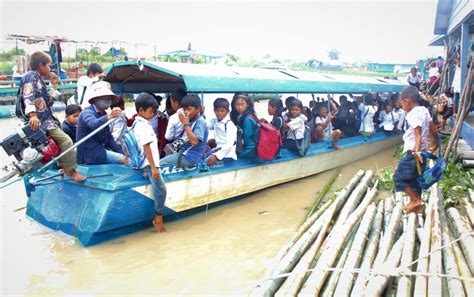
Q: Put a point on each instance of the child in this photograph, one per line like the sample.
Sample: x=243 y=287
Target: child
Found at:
x=295 y=125
x=175 y=128
x=413 y=78
x=418 y=122
x=69 y=124
x=447 y=102
x=400 y=113
x=275 y=109
x=225 y=133
x=388 y=118
x=196 y=133
x=244 y=117
x=324 y=127
x=433 y=83
x=367 y=112
x=146 y=107
x=286 y=111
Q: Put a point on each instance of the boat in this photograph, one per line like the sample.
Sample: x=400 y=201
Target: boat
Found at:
x=114 y=200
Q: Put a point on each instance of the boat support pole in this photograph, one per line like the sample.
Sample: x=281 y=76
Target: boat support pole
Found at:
x=54 y=160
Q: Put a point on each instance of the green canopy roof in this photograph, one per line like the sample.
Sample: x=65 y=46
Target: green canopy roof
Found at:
x=157 y=77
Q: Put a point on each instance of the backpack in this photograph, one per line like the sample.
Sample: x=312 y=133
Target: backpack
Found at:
x=269 y=141
x=130 y=145
x=305 y=143
x=430 y=176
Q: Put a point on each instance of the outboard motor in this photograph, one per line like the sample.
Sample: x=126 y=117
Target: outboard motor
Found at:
x=30 y=148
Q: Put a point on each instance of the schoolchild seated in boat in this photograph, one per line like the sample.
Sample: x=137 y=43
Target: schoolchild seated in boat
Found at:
x=244 y=117
x=119 y=126
x=286 y=110
x=146 y=107
x=225 y=134
x=175 y=127
x=100 y=148
x=345 y=118
x=69 y=124
x=388 y=118
x=294 y=126
x=324 y=128
x=275 y=109
x=367 y=108
x=193 y=149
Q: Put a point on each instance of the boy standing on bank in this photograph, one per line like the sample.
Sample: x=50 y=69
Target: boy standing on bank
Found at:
x=146 y=107
x=418 y=124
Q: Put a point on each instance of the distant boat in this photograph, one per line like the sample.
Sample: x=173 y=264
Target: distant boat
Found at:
x=115 y=199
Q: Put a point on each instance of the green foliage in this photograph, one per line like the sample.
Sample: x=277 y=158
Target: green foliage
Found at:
x=10 y=55
x=322 y=195
x=398 y=152
x=386 y=179
x=455 y=184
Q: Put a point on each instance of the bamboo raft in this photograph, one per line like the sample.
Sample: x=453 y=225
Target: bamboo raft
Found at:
x=357 y=245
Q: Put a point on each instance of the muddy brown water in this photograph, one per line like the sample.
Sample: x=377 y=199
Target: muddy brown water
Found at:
x=224 y=251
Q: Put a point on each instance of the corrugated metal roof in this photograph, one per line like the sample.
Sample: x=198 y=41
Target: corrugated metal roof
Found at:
x=138 y=76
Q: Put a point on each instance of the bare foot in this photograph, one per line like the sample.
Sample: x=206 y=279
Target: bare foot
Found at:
x=74 y=175
x=124 y=161
x=337 y=147
x=413 y=206
x=158 y=224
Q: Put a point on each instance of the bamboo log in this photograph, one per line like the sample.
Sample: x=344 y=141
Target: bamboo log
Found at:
x=379 y=281
x=405 y=283
x=421 y=282
x=461 y=228
x=455 y=286
x=469 y=209
x=270 y=285
x=462 y=266
x=389 y=237
x=370 y=252
x=315 y=281
x=355 y=256
x=354 y=199
x=468 y=163
x=435 y=267
x=310 y=221
x=333 y=279
x=465 y=153
x=387 y=212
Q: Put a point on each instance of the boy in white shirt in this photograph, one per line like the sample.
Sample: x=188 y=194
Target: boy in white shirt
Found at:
x=175 y=129
x=294 y=125
x=225 y=134
x=324 y=127
x=146 y=107
x=368 y=110
x=418 y=123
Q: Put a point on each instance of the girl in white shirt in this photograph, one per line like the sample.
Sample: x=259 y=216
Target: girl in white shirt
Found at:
x=388 y=118
x=368 y=110
x=295 y=125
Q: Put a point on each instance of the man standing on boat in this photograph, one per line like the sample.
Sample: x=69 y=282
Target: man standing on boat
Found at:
x=94 y=73
x=33 y=106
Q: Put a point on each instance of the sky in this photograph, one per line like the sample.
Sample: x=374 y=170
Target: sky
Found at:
x=380 y=31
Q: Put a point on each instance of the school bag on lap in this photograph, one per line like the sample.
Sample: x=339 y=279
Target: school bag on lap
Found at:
x=305 y=142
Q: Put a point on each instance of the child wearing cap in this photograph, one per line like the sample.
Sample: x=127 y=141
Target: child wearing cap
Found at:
x=146 y=107
x=100 y=148
x=194 y=137
x=417 y=124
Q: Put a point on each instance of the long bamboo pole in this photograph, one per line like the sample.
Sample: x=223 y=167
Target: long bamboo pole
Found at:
x=315 y=281
x=461 y=229
x=405 y=283
x=435 y=266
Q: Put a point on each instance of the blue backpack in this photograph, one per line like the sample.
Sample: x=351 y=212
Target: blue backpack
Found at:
x=131 y=149
x=430 y=176
x=305 y=142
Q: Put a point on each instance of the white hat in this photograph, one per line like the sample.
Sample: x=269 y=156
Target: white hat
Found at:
x=99 y=89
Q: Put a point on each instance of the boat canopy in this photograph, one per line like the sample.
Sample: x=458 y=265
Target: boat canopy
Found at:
x=161 y=77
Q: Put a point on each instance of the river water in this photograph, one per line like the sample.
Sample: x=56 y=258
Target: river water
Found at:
x=224 y=251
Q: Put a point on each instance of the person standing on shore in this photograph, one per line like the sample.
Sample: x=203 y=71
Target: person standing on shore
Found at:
x=418 y=123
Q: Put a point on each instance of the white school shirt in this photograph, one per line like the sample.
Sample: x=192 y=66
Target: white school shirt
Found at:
x=84 y=82
x=225 y=134
x=456 y=85
x=174 y=128
x=145 y=135
x=413 y=79
x=388 y=120
x=296 y=126
x=401 y=118
x=419 y=116
x=367 y=114
x=327 y=130
x=434 y=71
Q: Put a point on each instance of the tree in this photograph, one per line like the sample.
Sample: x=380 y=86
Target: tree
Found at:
x=333 y=54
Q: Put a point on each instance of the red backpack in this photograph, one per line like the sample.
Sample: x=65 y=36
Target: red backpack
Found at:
x=269 y=141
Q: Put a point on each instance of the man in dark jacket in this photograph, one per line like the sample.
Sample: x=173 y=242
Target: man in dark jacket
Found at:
x=101 y=148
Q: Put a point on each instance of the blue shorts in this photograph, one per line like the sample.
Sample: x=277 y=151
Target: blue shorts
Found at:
x=406 y=174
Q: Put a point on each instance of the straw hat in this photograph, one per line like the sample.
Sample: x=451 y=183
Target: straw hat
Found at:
x=99 y=89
